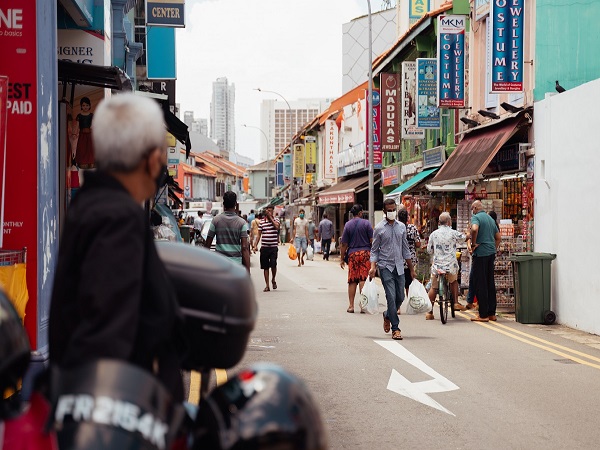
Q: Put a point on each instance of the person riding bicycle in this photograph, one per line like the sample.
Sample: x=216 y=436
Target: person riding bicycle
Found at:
x=442 y=244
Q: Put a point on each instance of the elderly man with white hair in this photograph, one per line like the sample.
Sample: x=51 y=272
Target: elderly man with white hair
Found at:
x=112 y=297
x=442 y=244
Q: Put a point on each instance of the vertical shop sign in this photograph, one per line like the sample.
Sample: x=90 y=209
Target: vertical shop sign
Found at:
x=287 y=167
x=376 y=124
x=298 y=168
x=3 y=113
x=451 y=57
x=390 y=116
x=416 y=10
x=330 y=150
x=428 y=113
x=311 y=154
x=160 y=53
x=507 y=45
x=279 y=173
x=409 y=102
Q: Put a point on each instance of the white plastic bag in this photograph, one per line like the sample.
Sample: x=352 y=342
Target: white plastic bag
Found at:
x=310 y=253
x=317 y=247
x=418 y=300
x=372 y=295
x=332 y=247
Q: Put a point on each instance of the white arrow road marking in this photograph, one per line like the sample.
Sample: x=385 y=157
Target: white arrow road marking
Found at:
x=417 y=391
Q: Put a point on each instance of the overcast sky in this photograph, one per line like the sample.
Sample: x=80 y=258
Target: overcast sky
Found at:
x=293 y=47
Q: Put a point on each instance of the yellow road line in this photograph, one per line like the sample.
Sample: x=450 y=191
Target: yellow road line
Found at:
x=497 y=327
x=195 y=378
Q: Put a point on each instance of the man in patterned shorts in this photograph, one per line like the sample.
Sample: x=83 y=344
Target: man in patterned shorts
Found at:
x=356 y=243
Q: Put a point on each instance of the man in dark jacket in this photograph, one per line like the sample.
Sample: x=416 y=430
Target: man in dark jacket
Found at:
x=112 y=297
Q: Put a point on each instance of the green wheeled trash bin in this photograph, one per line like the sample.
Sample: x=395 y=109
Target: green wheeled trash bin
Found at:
x=532 y=279
x=186 y=233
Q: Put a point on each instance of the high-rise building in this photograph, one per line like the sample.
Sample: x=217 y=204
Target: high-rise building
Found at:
x=222 y=112
x=188 y=118
x=280 y=122
x=200 y=126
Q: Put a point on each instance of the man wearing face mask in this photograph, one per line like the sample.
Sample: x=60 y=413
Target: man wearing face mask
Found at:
x=390 y=251
x=111 y=296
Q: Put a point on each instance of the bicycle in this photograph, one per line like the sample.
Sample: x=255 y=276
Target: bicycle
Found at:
x=444 y=296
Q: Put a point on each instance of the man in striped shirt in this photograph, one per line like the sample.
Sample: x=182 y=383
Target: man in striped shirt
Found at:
x=268 y=234
x=231 y=232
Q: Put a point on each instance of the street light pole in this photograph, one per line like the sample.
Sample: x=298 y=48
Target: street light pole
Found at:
x=267 y=139
x=292 y=136
x=370 y=122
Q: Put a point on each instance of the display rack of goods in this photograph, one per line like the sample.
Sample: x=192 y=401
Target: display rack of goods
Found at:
x=503 y=274
x=513 y=197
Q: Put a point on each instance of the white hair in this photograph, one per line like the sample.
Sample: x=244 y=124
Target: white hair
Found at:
x=445 y=218
x=126 y=127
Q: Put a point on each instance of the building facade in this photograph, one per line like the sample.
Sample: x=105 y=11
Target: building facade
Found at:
x=222 y=114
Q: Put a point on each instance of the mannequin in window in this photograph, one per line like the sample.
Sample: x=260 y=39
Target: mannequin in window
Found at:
x=84 y=153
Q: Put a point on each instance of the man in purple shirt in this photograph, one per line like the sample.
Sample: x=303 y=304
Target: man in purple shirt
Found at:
x=356 y=243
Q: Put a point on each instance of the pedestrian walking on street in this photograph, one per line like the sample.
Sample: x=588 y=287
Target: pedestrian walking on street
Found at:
x=356 y=248
x=254 y=229
x=112 y=297
x=231 y=232
x=268 y=235
x=325 y=235
x=414 y=242
x=300 y=236
x=312 y=229
x=442 y=245
x=390 y=252
x=485 y=239
x=198 y=223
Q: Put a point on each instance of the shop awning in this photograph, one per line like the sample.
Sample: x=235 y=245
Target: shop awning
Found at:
x=412 y=182
x=342 y=192
x=177 y=128
x=93 y=75
x=273 y=202
x=474 y=153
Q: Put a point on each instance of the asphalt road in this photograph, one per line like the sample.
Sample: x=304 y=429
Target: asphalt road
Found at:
x=462 y=385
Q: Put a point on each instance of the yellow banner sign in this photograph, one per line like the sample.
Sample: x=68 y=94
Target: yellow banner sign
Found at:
x=298 y=165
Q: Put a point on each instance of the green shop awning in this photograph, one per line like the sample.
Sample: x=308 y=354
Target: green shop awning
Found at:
x=413 y=181
x=273 y=202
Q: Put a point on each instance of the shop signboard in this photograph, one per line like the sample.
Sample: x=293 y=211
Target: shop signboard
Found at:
x=287 y=167
x=165 y=13
x=80 y=46
x=377 y=157
x=160 y=53
x=311 y=154
x=434 y=157
x=390 y=116
x=279 y=173
x=298 y=167
x=507 y=46
x=416 y=10
x=330 y=150
x=409 y=102
x=172 y=168
x=3 y=114
x=166 y=87
x=482 y=9
x=428 y=113
x=451 y=58
x=389 y=176
x=347 y=197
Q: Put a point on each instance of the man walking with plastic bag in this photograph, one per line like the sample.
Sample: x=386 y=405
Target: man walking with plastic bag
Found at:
x=389 y=252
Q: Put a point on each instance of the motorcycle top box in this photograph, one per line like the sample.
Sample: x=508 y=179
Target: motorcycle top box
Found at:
x=217 y=299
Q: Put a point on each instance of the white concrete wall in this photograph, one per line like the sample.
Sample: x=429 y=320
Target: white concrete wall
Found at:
x=567 y=217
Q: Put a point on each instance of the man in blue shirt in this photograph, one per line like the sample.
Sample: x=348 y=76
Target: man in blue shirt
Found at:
x=389 y=251
x=485 y=239
x=325 y=235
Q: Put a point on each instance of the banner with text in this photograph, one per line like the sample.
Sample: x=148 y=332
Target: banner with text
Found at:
x=390 y=117
x=428 y=113
x=298 y=167
x=311 y=154
x=409 y=102
x=377 y=157
x=165 y=13
x=279 y=173
x=451 y=57
x=287 y=167
x=389 y=176
x=507 y=46
x=416 y=10
x=330 y=150
x=3 y=115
